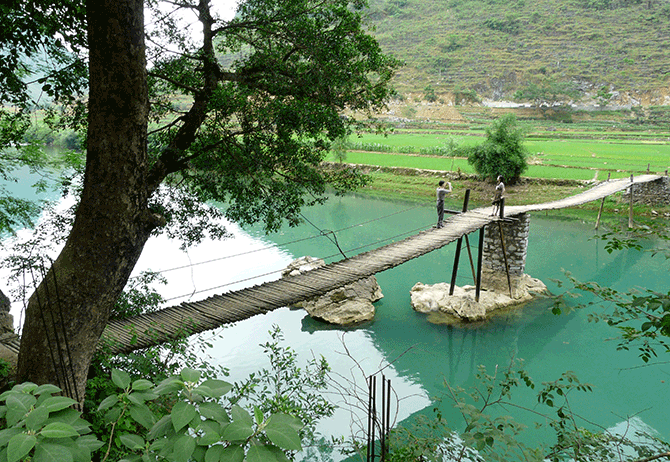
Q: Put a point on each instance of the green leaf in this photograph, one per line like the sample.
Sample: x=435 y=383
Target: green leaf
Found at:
x=265 y=453
x=280 y=430
x=142 y=415
x=18 y=405
x=232 y=453
x=90 y=442
x=198 y=454
x=133 y=442
x=159 y=444
x=214 y=411
x=108 y=402
x=7 y=434
x=142 y=385
x=258 y=415
x=240 y=415
x=214 y=388
x=50 y=452
x=210 y=430
x=160 y=428
x=58 y=430
x=19 y=446
x=120 y=378
x=46 y=388
x=214 y=453
x=56 y=403
x=169 y=385
x=237 y=431
x=182 y=413
x=190 y=375
x=36 y=418
x=183 y=448
x=72 y=417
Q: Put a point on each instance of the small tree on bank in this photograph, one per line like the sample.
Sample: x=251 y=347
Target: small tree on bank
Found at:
x=502 y=153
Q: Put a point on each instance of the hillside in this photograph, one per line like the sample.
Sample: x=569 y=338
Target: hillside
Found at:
x=547 y=49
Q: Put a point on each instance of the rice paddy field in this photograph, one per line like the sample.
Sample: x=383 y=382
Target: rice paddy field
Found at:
x=570 y=158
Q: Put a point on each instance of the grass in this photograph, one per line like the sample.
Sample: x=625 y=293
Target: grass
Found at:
x=569 y=159
x=558 y=168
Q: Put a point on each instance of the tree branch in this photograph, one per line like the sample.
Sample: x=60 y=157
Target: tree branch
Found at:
x=174 y=82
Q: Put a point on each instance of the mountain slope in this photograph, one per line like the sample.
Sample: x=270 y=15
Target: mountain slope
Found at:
x=556 y=47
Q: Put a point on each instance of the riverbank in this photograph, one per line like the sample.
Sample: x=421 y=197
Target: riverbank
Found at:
x=418 y=185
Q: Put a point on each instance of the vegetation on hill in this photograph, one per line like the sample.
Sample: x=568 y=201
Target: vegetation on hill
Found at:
x=605 y=50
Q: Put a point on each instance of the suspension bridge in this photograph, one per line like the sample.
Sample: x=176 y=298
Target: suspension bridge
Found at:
x=189 y=318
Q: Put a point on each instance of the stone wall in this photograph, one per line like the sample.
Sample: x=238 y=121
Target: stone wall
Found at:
x=651 y=193
x=516 y=245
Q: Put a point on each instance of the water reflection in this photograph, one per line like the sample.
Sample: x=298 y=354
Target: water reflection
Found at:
x=420 y=355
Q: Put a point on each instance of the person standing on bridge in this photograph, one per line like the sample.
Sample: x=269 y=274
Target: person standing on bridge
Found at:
x=441 y=194
x=498 y=195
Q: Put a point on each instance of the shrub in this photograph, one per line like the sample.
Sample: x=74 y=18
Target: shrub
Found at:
x=502 y=153
x=199 y=427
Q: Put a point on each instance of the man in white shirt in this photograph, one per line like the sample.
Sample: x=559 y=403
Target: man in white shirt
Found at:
x=441 y=194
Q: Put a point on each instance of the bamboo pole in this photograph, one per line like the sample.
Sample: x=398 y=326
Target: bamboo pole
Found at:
x=502 y=242
x=630 y=208
x=457 y=256
x=602 y=204
x=472 y=263
x=480 y=253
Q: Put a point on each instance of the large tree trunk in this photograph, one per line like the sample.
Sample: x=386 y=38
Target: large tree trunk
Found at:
x=69 y=310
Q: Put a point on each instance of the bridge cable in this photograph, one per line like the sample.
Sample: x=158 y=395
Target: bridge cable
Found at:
x=289 y=242
x=251 y=278
x=326 y=234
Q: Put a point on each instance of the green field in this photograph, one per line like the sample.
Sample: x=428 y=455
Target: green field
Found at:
x=574 y=159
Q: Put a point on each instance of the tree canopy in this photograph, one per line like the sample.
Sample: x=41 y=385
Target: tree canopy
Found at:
x=243 y=114
x=502 y=153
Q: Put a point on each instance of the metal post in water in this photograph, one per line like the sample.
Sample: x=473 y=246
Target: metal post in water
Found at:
x=502 y=244
x=480 y=255
x=472 y=263
x=382 y=428
x=457 y=256
x=602 y=204
x=630 y=208
x=370 y=455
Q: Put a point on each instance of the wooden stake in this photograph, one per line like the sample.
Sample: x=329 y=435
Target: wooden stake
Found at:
x=459 y=242
x=472 y=263
x=630 y=208
x=480 y=254
x=502 y=242
x=602 y=204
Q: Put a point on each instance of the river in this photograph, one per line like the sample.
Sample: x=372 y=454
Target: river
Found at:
x=419 y=356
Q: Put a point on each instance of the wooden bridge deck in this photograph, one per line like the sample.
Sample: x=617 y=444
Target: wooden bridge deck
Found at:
x=193 y=317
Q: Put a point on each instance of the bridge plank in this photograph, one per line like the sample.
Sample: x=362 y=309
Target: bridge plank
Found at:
x=154 y=328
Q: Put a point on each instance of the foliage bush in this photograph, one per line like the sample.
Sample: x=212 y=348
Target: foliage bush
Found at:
x=502 y=153
x=183 y=416
x=198 y=426
x=429 y=94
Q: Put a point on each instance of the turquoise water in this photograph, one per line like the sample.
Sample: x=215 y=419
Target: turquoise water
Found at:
x=424 y=355
x=416 y=355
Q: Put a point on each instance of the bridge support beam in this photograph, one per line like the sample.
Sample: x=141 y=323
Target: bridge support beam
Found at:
x=510 y=256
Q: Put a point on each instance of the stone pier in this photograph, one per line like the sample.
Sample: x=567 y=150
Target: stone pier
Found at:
x=497 y=291
x=515 y=235
x=651 y=193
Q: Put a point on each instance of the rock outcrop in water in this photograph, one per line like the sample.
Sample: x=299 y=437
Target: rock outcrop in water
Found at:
x=461 y=306
x=347 y=305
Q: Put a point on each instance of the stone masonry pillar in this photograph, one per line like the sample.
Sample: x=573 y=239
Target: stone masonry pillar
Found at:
x=651 y=193
x=516 y=245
